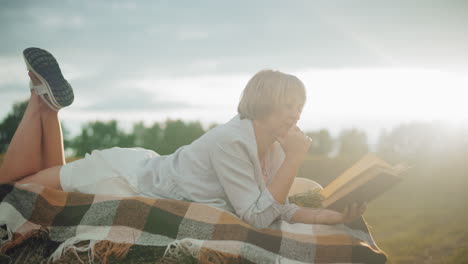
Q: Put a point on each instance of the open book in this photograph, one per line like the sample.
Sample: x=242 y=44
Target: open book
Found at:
x=362 y=182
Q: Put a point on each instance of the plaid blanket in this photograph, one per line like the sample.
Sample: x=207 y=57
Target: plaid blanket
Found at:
x=211 y=235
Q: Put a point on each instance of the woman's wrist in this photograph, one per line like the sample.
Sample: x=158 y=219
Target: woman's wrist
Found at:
x=306 y=216
x=295 y=158
x=318 y=216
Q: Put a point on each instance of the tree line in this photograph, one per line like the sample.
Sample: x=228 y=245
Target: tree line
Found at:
x=405 y=142
x=164 y=138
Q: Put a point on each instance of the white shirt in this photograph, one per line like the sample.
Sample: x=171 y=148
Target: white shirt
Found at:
x=222 y=169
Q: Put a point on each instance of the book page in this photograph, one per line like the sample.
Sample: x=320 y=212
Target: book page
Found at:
x=366 y=162
x=357 y=182
x=381 y=180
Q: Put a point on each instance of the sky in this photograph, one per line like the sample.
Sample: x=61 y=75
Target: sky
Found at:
x=366 y=64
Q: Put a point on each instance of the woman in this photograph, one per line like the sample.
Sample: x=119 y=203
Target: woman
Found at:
x=245 y=166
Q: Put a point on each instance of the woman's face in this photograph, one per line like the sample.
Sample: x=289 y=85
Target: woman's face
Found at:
x=283 y=117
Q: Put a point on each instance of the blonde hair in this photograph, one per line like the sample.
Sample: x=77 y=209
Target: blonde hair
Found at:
x=267 y=90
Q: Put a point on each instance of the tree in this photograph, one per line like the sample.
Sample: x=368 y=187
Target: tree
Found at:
x=101 y=135
x=322 y=142
x=212 y=125
x=10 y=124
x=417 y=140
x=353 y=143
x=148 y=137
x=177 y=134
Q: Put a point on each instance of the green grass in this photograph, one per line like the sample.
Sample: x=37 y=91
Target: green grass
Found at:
x=460 y=256
x=418 y=234
x=424 y=219
x=416 y=226
x=412 y=238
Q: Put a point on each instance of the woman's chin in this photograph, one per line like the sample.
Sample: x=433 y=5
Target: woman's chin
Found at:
x=283 y=134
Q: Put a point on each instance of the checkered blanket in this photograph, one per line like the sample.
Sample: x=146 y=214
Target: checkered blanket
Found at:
x=201 y=230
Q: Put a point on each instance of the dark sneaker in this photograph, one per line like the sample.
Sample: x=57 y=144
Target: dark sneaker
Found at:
x=55 y=90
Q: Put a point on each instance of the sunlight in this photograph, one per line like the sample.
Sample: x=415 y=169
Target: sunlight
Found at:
x=403 y=94
x=370 y=99
x=406 y=94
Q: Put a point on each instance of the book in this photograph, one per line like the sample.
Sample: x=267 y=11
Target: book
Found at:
x=365 y=180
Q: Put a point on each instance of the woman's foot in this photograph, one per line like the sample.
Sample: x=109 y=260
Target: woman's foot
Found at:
x=35 y=81
x=35 y=98
x=52 y=86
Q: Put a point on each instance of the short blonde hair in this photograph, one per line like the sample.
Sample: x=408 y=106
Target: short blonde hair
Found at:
x=267 y=90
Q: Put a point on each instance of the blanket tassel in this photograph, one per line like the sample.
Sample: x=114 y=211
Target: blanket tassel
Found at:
x=183 y=251
x=102 y=249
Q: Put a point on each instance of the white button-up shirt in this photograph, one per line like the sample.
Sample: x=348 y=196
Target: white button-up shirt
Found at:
x=222 y=169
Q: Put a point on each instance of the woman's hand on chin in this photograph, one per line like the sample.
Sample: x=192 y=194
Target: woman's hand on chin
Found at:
x=295 y=143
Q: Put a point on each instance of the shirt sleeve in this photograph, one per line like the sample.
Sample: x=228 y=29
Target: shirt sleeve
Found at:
x=289 y=211
x=236 y=174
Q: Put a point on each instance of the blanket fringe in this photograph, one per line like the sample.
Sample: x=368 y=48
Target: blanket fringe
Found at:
x=104 y=249
x=182 y=251
x=24 y=248
x=71 y=244
x=13 y=240
x=101 y=249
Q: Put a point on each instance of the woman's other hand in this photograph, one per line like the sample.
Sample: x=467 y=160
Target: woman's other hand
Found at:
x=353 y=211
x=295 y=143
x=350 y=213
x=328 y=217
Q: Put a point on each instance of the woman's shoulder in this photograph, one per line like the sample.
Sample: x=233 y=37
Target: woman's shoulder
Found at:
x=235 y=130
x=234 y=134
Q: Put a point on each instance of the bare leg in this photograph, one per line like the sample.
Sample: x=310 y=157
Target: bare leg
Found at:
x=52 y=139
x=49 y=177
x=23 y=156
x=31 y=150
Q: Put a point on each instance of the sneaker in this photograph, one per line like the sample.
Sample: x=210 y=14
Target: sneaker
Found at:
x=54 y=90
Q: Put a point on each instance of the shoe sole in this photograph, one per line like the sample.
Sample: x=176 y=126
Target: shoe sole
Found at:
x=46 y=68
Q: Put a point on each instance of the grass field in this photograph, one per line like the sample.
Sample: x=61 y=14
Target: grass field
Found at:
x=424 y=219
x=419 y=232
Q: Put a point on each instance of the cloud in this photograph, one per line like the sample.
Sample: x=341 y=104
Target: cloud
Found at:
x=57 y=21
x=193 y=59
x=398 y=94
x=44 y=17
x=172 y=36
x=200 y=90
x=125 y=5
x=191 y=34
x=133 y=102
x=12 y=71
x=126 y=96
x=12 y=94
